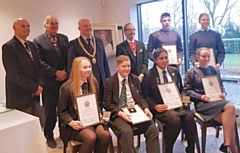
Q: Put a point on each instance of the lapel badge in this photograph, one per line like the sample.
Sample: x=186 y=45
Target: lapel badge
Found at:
x=140 y=50
x=173 y=74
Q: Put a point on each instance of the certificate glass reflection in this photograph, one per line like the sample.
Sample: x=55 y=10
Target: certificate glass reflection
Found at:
x=88 y=109
x=212 y=87
x=170 y=95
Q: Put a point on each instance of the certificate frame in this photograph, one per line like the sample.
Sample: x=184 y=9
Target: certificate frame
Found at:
x=88 y=111
x=169 y=93
x=172 y=53
x=212 y=61
x=138 y=116
x=212 y=88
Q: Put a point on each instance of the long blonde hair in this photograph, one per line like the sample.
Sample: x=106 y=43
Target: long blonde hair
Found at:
x=75 y=76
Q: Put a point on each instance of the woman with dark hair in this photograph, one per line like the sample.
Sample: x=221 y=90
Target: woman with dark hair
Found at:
x=221 y=111
x=81 y=81
x=208 y=38
x=175 y=119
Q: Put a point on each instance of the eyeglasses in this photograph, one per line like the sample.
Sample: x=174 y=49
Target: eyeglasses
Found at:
x=130 y=30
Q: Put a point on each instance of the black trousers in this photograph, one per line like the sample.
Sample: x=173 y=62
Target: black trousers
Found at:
x=50 y=101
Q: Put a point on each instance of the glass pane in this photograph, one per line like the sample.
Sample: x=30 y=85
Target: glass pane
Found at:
x=151 y=13
x=224 y=18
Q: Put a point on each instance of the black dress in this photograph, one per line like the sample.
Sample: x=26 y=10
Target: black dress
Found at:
x=193 y=87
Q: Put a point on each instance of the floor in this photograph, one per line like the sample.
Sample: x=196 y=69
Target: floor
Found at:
x=213 y=143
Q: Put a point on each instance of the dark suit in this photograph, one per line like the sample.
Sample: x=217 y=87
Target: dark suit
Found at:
x=111 y=100
x=139 y=63
x=22 y=74
x=100 y=69
x=49 y=57
x=174 y=119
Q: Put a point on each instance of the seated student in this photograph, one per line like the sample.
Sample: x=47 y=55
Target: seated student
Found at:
x=81 y=81
x=175 y=119
x=221 y=111
x=120 y=89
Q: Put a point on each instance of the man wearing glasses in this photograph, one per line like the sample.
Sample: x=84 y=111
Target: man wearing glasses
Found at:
x=165 y=36
x=135 y=50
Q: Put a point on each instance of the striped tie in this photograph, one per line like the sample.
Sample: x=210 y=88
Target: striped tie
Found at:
x=84 y=88
x=165 y=76
x=123 y=95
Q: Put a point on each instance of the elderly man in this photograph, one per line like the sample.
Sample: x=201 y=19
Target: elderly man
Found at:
x=92 y=48
x=135 y=50
x=52 y=48
x=21 y=64
x=165 y=36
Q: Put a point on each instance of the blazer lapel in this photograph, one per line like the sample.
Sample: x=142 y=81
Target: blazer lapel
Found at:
x=116 y=88
x=171 y=73
x=128 y=50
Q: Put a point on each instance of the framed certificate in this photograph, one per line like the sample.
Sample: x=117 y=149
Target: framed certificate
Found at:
x=212 y=87
x=170 y=95
x=137 y=116
x=212 y=61
x=172 y=53
x=88 y=109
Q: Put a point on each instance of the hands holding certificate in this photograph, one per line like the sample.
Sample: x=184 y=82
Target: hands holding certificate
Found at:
x=76 y=125
x=208 y=99
x=161 y=108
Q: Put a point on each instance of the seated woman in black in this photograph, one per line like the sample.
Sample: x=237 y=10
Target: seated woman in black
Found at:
x=221 y=111
x=175 y=119
x=94 y=138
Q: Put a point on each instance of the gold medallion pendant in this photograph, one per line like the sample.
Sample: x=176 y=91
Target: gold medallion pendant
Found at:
x=94 y=60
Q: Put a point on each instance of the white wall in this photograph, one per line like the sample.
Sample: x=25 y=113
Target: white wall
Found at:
x=68 y=13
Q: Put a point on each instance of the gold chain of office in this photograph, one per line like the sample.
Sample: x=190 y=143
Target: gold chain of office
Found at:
x=85 y=50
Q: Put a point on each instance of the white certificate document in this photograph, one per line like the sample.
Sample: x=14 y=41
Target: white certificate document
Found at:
x=172 y=53
x=88 y=109
x=212 y=87
x=138 y=116
x=212 y=61
x=170 y=95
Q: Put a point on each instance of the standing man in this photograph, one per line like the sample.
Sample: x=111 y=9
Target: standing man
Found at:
x=121 y=89
x=135 y=50
x=20 y=61
x=92 y=48
x=52 y=48
x=165 y=36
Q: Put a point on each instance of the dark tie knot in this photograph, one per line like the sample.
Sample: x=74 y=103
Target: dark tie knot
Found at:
x=164 y=72
x=123 y=81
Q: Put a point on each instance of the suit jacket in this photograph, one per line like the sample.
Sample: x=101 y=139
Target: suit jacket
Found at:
x=49 y=57
x=150 y=89
x=139 y=63
x=100 y=68
x=22 y=73
x=66 y=111
x=111 y=94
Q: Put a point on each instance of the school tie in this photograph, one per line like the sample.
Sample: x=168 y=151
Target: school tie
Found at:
x=123 y=95
x=165 y=76
x=28 y=50
x=84 y=88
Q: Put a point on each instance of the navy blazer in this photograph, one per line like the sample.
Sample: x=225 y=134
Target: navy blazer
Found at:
x=102 y=67
x=22 y=73
x=49 y=57
x=111 y=94
x=139 y=63
x=149 y=85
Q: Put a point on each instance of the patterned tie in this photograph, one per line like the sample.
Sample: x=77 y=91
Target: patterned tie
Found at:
x=165 y=76
x=28 y=50
x=123 y=95
x=89 y=45
x=84 y=88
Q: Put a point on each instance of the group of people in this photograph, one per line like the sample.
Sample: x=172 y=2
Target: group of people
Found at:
x=61 y=71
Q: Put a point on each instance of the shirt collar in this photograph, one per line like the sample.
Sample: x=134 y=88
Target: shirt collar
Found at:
x=160 y=70
x=120 y=78
x=81 y=82
x=21 y=40
x=49 y=36
x=129 y=41
x=204 y=30
x=85 y=38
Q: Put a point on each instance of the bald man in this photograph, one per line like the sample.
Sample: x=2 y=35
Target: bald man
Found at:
x=21 y=63
x=92 y=48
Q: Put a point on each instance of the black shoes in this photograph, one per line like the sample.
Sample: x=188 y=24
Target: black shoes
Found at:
x=51 y=143
x=226 y=149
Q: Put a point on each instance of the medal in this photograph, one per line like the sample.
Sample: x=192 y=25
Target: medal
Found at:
x=94 y=60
